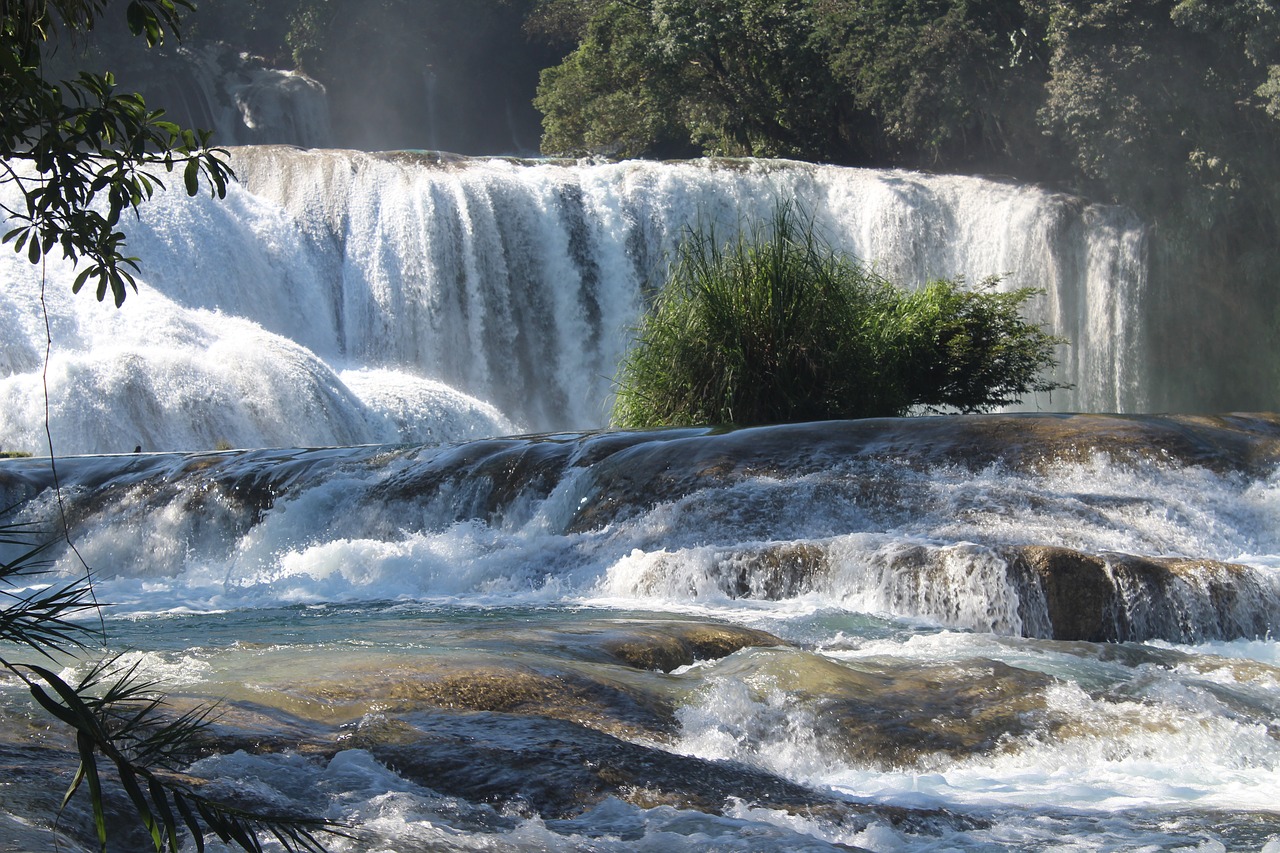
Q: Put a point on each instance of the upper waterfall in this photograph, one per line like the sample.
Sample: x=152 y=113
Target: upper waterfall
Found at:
x=338 y=297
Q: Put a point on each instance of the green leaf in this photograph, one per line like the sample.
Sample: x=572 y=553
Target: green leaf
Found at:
x=191 y=176
x=86 y=745
x=137 y=17
x=192 y=822
x=160 y=797
x=129 y=781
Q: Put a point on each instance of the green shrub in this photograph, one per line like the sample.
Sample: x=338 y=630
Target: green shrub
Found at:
x=776 y=327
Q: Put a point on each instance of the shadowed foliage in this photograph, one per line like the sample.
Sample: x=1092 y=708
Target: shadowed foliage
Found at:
x=82 y=156
x=126 y=733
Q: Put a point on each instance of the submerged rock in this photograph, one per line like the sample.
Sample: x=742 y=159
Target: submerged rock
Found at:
x=881 y=714
x=558 y=769
x=605 y=673
x=669 y=646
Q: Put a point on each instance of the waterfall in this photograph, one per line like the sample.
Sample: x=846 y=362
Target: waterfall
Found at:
x=338 y=297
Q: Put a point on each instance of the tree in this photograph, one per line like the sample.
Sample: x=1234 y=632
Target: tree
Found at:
x=775 y=327
x=727 y=77
x=82 y=156
x=1165 y=106
x=826 y=80
x=955 y=81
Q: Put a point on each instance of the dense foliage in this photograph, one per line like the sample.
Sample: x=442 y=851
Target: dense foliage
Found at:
x=1169 y=106
x=775 y=327
x=815 y=79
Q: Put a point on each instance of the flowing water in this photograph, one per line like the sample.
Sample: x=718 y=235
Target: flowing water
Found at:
x=772 y=639
x=1009 y=632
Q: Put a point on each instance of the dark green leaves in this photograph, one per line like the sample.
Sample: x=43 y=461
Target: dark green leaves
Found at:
x=119 y=719
x=655 y=76
x=125 y=730
x=43 y=620
x=83 y=154
x=151 y=18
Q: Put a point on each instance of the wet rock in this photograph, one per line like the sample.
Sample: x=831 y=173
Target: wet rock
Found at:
x=672 y=645
x=487 y=685
x=638 y=474
x=483 y=479
x=1114 y=597
x=775 y=572
x=558 y=769
x=1078 y=596
x=769 y=572
x=909 y=720
x=647 y=642
x=565 y=696
x=892 y=717
x=607 y=672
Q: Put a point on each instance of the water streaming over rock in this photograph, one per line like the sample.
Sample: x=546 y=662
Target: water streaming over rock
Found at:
x=1019 y=632
x=1001 y=632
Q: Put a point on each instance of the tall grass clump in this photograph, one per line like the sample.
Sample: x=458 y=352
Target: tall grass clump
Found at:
x=776 y=327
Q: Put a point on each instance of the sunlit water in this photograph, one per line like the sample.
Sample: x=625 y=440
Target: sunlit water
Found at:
x=338 y=298
x=502 y=645
x=810 y=638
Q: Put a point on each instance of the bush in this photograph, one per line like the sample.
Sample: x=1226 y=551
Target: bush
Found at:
x=776 y=327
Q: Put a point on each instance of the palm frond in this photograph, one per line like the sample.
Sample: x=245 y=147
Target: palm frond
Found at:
x=127 y=724
x=41 y=617
x=123 y=722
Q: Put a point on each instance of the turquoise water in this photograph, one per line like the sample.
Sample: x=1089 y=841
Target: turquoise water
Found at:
x=805 y=638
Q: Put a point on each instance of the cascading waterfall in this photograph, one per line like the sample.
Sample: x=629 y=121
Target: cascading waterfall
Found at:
x=338 y=283
x=1020 y=631
x=236 y=96
x=1002 y=632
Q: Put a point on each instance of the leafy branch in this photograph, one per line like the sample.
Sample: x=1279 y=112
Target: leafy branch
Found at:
x=81 y=153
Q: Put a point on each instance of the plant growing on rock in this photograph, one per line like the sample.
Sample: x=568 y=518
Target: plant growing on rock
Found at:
x=777 y=327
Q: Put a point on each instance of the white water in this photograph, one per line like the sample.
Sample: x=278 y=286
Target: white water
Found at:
x=514 y=284
x=284 y=578
x=340 y=298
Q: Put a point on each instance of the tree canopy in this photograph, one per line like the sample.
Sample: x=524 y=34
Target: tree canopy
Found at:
x=1018 y=83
